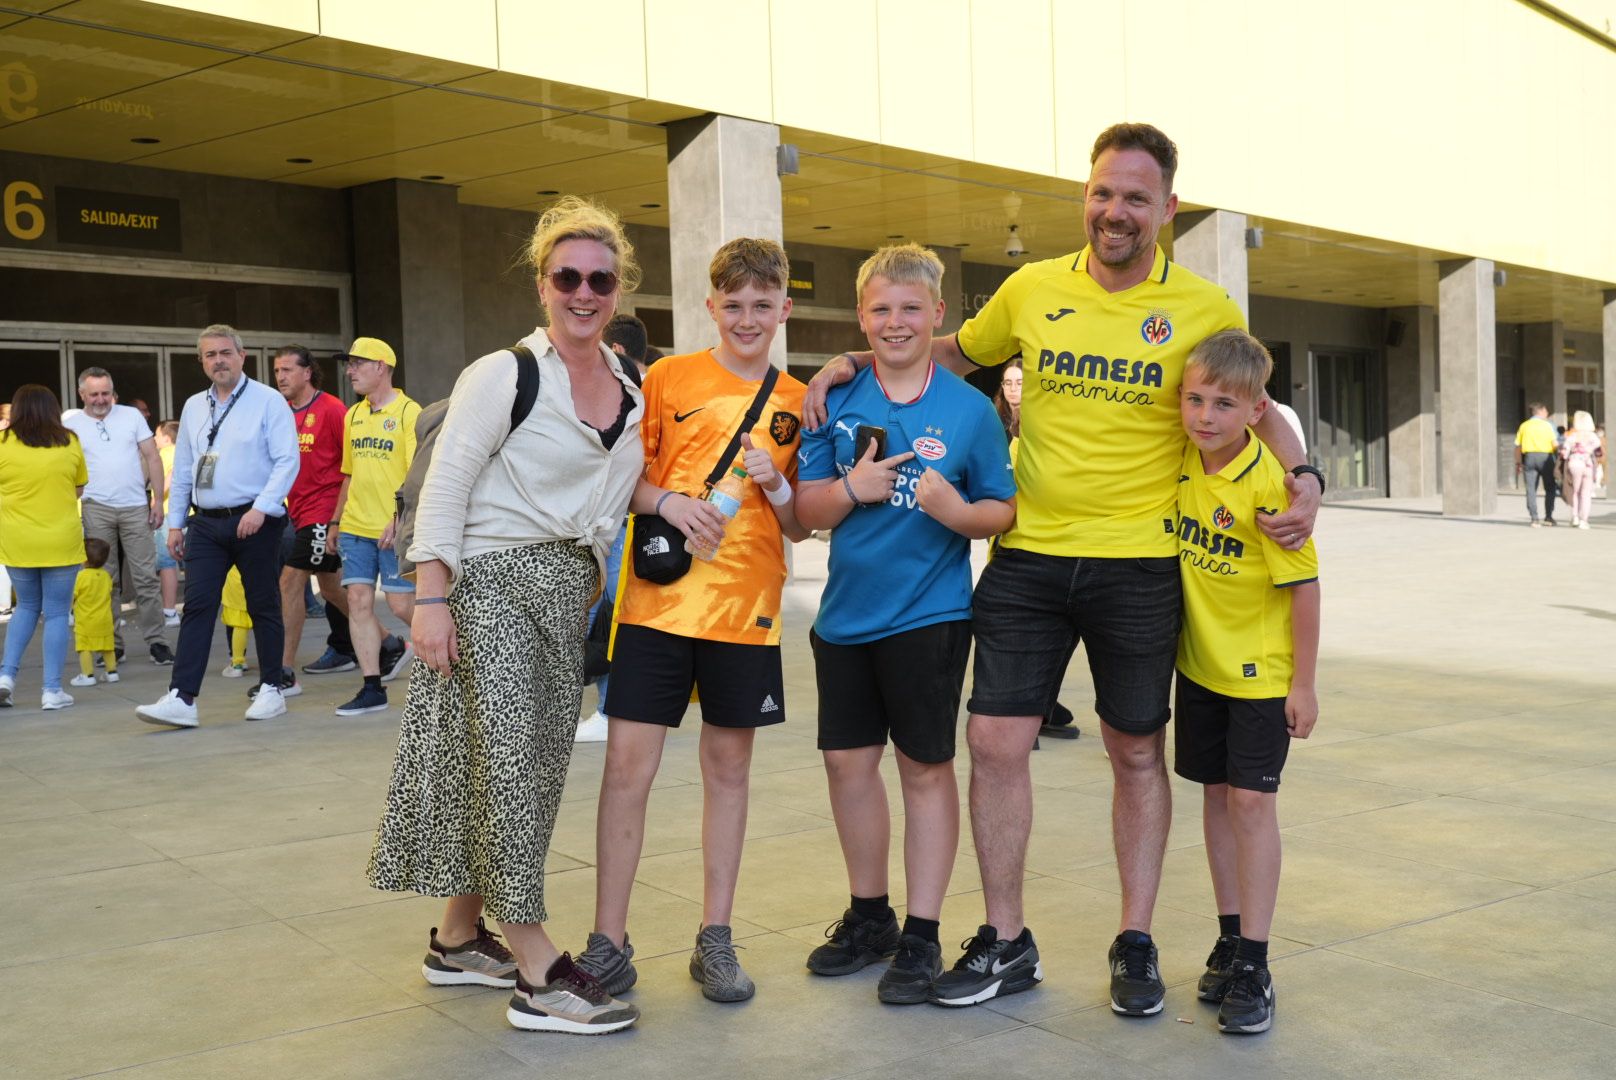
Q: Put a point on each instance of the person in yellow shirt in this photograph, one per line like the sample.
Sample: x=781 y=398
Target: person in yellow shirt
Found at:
x=1536 y=444
x=237 y=623
x=378 y=445
x=92 y=614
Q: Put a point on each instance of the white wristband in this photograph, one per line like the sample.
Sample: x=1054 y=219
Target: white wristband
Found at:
x=781 y=495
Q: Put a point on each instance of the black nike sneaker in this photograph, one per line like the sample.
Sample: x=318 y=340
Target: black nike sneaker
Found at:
x=855 y=944
x=990 y=968
x=1136 y=983
x=1219 y=966
x=1248 y=1003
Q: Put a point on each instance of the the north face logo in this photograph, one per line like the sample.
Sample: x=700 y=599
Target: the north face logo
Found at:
x=769 y=704
x=657 y=545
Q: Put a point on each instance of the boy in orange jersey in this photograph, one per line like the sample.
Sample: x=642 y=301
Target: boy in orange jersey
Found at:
x=717 y=628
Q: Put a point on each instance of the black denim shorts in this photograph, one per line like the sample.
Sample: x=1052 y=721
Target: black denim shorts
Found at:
x=1030 y=611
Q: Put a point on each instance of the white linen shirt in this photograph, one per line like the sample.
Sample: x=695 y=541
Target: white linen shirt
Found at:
x=552 y=479
x=112 y=452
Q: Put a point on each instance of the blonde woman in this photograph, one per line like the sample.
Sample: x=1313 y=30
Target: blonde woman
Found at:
x=1582 y=453
x=513 y=529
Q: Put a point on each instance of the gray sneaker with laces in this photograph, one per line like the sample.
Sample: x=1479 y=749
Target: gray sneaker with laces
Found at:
x=714 y=965
x=610 y=966
x=482 y=961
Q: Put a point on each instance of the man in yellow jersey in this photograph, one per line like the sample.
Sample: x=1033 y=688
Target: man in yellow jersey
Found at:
x=378 y=445
x=1536 y=443
x=1104 y=334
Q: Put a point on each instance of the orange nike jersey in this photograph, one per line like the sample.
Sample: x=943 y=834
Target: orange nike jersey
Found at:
x=692 y=407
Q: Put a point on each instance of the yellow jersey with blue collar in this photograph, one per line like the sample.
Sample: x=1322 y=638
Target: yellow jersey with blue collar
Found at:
x=1236 y=637
x=1100 y=446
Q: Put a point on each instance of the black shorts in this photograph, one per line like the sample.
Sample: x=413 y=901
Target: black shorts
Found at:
x=311 y=552
x=653 y=672
x=1031 y=610
x=907 y=684
x=1242 y=742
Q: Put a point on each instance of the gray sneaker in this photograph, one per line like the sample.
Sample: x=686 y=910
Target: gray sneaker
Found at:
x=610 y=966
x=714 y=965
x=570 y=1001
x=482 y=961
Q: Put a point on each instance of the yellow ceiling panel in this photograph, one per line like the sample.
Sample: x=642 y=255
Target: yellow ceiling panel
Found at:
x=528 y=88
x=352 y=56
x=172 y=22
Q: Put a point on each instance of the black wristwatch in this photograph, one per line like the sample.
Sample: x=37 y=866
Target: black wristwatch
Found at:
x=1311 y=470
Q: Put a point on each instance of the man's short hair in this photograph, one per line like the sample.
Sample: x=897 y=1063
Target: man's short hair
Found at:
x=170 y=428
x=305 y=360
x=1536 y=407
x=903 y=264
x=629 y=332
x=96 y=373
x=749 y=261
x=221 y=330
x=1233 y=361
x=1144 y=137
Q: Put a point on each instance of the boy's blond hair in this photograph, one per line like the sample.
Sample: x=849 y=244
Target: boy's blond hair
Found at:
x=1233 y=361
x=903 y=264
x=748 y=260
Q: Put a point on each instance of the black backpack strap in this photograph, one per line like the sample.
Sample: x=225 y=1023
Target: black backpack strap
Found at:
x=754 y=411
x=527 y=384
x=630 y=368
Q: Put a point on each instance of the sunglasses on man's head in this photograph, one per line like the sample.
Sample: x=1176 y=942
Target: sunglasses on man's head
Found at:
x=566 y=279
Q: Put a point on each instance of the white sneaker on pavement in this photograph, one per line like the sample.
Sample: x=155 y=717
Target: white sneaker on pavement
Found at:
x=268 y=704
x=592 y=729
x=55 y=699
x=169 y=709
x=82 y=680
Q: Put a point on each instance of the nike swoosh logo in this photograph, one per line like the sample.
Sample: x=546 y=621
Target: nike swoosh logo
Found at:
x=679 y=418
x=1000 y=965
x=1056 y=316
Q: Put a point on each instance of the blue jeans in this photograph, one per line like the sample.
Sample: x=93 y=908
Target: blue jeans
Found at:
x=607 y=602
x=48 y=589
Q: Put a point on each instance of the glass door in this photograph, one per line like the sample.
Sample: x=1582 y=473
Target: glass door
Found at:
x=1349 y=436
x=24 y=362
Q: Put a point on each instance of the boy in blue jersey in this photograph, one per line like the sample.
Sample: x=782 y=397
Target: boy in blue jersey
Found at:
x=894 y=628
x=1246 y=660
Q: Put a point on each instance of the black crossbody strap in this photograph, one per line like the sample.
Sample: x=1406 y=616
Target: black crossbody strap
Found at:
x=751 y=418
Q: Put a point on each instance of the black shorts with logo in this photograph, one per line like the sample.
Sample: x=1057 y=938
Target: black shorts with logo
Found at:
x=907 y=685
x=311 y=550
x=653 y=672
x=1217 y=739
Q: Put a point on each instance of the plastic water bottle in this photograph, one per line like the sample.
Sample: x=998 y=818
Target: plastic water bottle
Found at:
x=726 y=495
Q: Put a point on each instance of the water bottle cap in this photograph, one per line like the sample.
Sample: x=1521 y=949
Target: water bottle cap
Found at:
x=736 y=470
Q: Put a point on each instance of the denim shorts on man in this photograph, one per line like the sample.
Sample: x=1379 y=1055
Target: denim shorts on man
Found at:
x=165 y=561
x=364 y=559
x=1031 y=610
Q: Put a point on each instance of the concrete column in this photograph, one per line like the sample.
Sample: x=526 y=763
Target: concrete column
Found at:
x=1411 y=438
x=1542 y=366
x=407 y=287
x=1468 y=355
x=1608 y=370
x=953 y=289
x=1212 y=243
x=722 y=184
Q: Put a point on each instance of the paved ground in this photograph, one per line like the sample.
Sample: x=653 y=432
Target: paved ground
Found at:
x=190 y=904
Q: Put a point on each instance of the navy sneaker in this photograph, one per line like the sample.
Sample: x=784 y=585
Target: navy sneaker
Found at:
x=369 y=699
x=1136 y=983
x=331 y=662
x=990 y=968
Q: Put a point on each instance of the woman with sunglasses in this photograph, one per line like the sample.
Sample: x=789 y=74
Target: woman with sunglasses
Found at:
x=512 y=532
x=42 y=473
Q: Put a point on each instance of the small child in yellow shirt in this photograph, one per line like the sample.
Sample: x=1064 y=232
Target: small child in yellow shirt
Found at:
x=233 y=611
x=92 y=614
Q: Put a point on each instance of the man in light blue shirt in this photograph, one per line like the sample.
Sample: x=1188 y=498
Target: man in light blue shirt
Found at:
x=235 y=458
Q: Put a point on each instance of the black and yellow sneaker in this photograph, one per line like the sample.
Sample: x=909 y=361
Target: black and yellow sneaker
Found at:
x=1248 y=1002
x=855 y=943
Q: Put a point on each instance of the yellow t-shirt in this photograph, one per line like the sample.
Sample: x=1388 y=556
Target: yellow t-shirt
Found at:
x=1537 y=436
x=92 y=611
x=39 y=503
x=1236 y=638
x=165 y=454
x=692 y=407
x=377 y=448
x=1100 y=431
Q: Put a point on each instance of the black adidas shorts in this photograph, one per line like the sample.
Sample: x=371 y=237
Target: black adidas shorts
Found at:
x=653 y=672
x=311 y=552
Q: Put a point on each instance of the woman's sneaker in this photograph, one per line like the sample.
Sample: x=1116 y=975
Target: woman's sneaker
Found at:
x=570 y=1000
x=1219 y=966
x=8 y=686
x=82 y=680
x=482 y=961
x=990 y=968
x=715 y=966
x=914 y=970
x=55 y=699
x=610 y=966
x=1248 y=1005
x=855 y=943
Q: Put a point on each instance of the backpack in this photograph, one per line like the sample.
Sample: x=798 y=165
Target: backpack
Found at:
x=430 y=420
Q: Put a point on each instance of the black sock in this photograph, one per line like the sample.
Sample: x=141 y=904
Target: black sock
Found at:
x=921 y=928
x=189 y=699
x=1251 y=952
x=1229 y=925
x=373 y=682
x=871 y=907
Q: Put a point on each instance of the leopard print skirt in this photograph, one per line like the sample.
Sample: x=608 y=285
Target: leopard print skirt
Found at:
x=483 y=751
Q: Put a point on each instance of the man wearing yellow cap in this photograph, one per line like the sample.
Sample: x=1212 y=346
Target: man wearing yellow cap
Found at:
x=378 y=445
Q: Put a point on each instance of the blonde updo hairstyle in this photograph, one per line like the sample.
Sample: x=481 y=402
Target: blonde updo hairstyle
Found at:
x=573 y=218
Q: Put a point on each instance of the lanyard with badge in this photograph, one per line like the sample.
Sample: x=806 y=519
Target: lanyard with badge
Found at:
x=209 y=462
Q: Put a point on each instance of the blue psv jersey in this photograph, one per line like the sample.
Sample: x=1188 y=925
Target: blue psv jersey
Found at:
x=893 y=568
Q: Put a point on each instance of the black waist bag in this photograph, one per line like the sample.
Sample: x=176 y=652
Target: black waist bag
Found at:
x=659 y=547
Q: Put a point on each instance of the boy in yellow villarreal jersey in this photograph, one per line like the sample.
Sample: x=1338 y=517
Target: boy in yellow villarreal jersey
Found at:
x=1246 y=660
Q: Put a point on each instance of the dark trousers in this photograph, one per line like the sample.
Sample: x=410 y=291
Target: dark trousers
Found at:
x=211 y=549
x=1539 y=467
x=338 y=638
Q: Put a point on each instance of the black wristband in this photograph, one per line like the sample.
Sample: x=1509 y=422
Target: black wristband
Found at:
x=422 y=601
x=1313 y=471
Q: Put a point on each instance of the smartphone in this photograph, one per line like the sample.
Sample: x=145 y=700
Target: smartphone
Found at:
x=862 y=438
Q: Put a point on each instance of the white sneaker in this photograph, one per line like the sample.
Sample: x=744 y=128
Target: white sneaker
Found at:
x=1582 y=524
x=591 y=730
x=268 y=704
x=55 y=699
x=82 y=680
x=171 y=618
x=170 y=709
x=234 y=671
x=111 y=676
x=7 y=686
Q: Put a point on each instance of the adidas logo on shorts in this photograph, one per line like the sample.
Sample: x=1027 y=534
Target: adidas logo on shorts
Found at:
x=769 y=704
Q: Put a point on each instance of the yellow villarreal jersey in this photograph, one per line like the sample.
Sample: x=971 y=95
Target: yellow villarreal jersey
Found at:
x=1237 y=608
x=1537 y=436
x=1100 y=433
x=377 y=448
